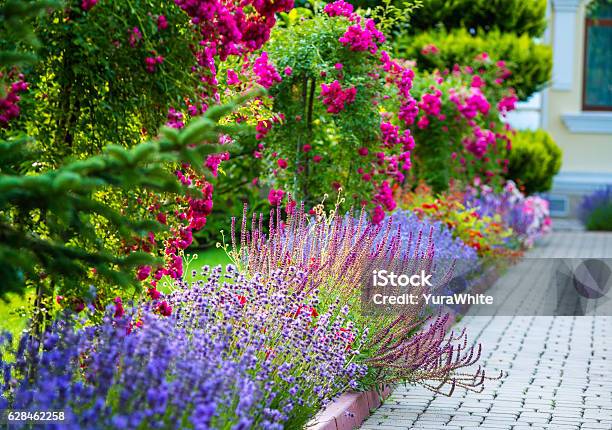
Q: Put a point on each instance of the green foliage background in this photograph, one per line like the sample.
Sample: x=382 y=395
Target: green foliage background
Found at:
x=529 y=61
x=91 y=88
x=508 y=16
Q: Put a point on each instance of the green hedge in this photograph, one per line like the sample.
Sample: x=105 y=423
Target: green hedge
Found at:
x=509 y=16
x=529 y=61
x=535 y=159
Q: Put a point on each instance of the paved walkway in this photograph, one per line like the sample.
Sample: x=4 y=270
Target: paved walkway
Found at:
x=559 y=368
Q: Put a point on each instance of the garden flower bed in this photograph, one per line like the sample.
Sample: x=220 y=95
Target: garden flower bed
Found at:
x=133 y=131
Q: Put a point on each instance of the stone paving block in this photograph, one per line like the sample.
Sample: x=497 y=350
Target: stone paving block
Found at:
x=596 y=426
x=558 y=370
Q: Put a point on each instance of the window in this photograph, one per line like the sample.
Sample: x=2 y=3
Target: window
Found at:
x=597 y=77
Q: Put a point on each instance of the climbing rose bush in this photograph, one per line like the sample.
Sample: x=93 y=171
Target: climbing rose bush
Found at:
x=9 y=109
x=225 y=30
x=338 y=129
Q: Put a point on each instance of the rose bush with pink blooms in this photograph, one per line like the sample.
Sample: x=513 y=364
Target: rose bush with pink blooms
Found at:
x=460 y=124
x=334 y=130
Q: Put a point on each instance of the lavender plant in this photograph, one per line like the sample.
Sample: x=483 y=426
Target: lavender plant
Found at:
x=451 y=254
x=446 y=246
x=304 y=350
x=233 y=353
x=595 y=209
x=338 y=252
x=158 y=375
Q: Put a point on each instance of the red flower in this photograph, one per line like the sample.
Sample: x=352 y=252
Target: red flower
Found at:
x=133 y=326
x=164 y=308
x=275 y=197
x=309 y=309
x=119 y=311
x=153 y=293
x=143 y=273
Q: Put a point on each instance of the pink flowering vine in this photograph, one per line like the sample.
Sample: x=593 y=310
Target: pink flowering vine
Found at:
x=162 y=23
x=151 y=63
x=507 y=103
x=470 y=102
x=134 y=37
x=232 y=78
x=88 y=4
x=479 y=142
x=275 y=197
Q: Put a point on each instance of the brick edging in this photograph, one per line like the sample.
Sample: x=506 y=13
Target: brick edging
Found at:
x=349 y=411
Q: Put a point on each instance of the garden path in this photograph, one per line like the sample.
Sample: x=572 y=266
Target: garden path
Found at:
x=559 y=368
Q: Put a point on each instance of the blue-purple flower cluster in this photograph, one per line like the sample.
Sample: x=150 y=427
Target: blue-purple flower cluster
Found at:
x=433 y=234
x=338 y=254
x=453 y=262
x=235 y=353
x=158 y=375
x=304 y=349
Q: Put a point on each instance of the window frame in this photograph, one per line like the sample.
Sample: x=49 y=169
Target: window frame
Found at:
x=588 y=23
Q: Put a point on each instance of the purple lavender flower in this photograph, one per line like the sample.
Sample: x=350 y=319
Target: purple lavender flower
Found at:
x=336 y=254
x=595 y=201
x=158 y=375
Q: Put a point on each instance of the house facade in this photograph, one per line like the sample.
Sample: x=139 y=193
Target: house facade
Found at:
x=576 y=108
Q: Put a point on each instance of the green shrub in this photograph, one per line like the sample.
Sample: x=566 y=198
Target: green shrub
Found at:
x=530 y=62
x=600 y=219
x=511 y=16
x=534 y=159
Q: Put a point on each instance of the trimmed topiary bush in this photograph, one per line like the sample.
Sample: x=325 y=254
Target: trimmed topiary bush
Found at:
x=530 y=62
x=535 y=159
